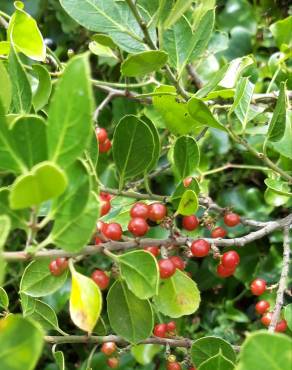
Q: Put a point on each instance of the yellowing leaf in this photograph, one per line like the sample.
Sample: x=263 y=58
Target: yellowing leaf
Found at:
x=85 y=301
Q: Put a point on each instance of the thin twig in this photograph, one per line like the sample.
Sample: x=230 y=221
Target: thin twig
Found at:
x=102 y=105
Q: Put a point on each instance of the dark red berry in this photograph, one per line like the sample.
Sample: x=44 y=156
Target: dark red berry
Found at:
x=113 y=362
x=173 y=366
x=105 y=207
x=97 y=241
x=100 y=278
x=200 y=248
x=157 y=211
x=160 y=330
x=138 y=226
x=153 y=250
x=281 y=326
x=224 y=272
x=139 y=210
x=166 y=268
x=108 y=348
x=230 y=259
x=262 y=307
x=266 y=318
x=192 y=368
x=231 y=219
x=218 y=232
x=101 y=134
x=62 y=263
x=187 y=181
x=113 y=231
x=258 y=286
x=54 y=268
x=171 y=326
x=105 y=196
x=190 y=222
x=105 y=147
x=178 y=262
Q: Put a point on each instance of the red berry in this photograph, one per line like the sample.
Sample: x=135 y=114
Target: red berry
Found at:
x=139 y=210
x=62 y=263
x=171 y=326
x=258 y=286
x=230 y=259
x=157 y=211
x=105 y=196
x=160 y=330
x=187 y=181
x=190 y=222
x=105 y=207
x=266 y=318
x=101 y=134
x=166 y=268
x=200 y=248
x=178 y=262
x=100 y=226
x=105 y=147
x=281 y=326
x=224 y=272
x=113 y=231
x=97 y=241
x=173 y=366
x=113 y=362
x=100 y=278
x=262 y=307
x=231 y=219
x=138 y=226
x=108 y=348
x=153 y=249
x=218 y=232
x=54 y=268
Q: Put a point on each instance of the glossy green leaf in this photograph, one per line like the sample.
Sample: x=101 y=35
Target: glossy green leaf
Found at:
x=281 y=31
x=274 y=199
x=26 y=131
x=104 y=40
x=28 y=304
x=133 y=147
x=69 y=117
x=207 y=347
x=178 y=296
x=179 y=8
x=4 y=47
x=37 y=280
x=144 y=353
x=6 y=87
x=188 y=204
x=278 y=186
x=45 y=181
x=288 y=315
x=218 y=362
x=235 y=69
x=21 y=343
x=129 y=316
x=140 y=271
x=24 y=34
x=85 y=301
x=180 y=190
x=101 y=50
x=283 y=146
x=43 y=91
x=186 y=155
x=59 y=358
x=157 y=144
x=4 y=299
x=5 y=226
x=72 y=234
x=18 y=219
x=202 y=114
x=262 y=350
x=212 y=84
x=21 y=90
x=174 y=113
x=143 y=63
x=278 y=122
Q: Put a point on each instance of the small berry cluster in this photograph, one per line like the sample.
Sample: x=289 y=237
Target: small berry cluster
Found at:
x=259 y=287
x=109 y=348
x=111 y=231
x=101 y=279
x=104 y=143
x=105 y=203
x=165 y=330
x=168 y=266
x=58 y=266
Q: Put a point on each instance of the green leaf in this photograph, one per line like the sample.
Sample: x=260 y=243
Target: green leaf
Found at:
x=129 y=317
x=178 y=296
x=278 y=186
x=186 y=156
x=242 y=98
x=5 y=226
x=262 y=350
x=27 y=304
x=133 y=147
x=69 y=117
x=21 y=90
x=45 y=181
x=180 y=190
x=101 y=50
x=37 y=280
x=174 y=113
x=43 y=91
x=202 y=114
x=24 y=35
x=235 y=69
x=140 y=271
x=212 y=83
x=59 y=358
x=18 y=219
x=73 y=234
x=204 y=348
x=85 y=301
x=188 y=204
x=4 y=47
x=144 y=353
x=6 y=88
x=157 y=144
x=179 y=8
x=278 y=122
x=218 y=362
x=288 y=315
x=143 y=63
x=284 y=146
x=281 y=31
x=30 y=142
x=21 y=343
x=104 y=40
x=4 y=299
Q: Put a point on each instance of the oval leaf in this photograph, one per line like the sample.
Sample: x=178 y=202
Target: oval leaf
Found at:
x=43 y=91
x=288 y=315
x=4 y=300
x=278 y=186
x=5 y=91
x=217 y=362
x=188 y=204
x=186 y=156
x=5 y=226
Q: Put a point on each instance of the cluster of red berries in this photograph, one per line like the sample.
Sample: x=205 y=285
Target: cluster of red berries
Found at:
x=105 y=203
x=101 y=279
x=168 y=266
x=104 y=143
x=58 y=266
x=258 y=287
x=109 y=348
x=165 y=330
x=172 y=364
